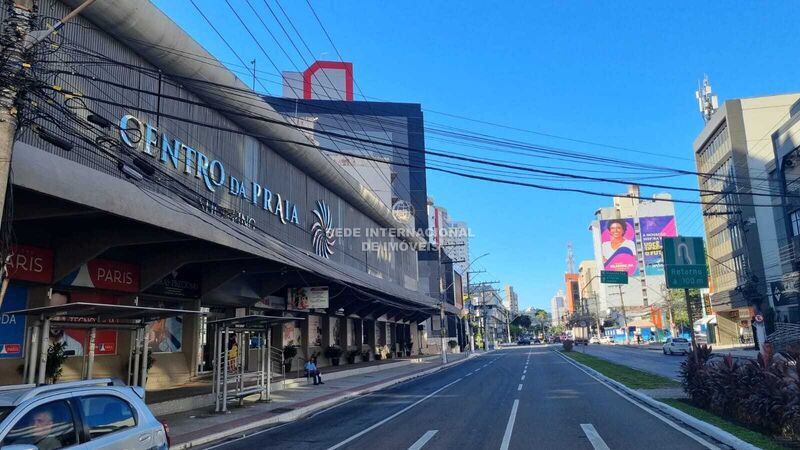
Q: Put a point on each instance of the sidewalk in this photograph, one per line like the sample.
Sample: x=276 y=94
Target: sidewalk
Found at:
x=203 y=425
x=736 y=351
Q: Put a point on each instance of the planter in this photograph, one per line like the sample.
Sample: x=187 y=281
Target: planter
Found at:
x=365 y=357
x=351 y=360
x=287 y=367
x=378 y=356
x=335 y=361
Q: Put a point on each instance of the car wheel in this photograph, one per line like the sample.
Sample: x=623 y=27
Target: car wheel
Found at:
x=670 y=352
x=664 y=350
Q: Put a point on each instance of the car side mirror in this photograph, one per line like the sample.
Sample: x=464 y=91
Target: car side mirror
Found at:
x=19 y=447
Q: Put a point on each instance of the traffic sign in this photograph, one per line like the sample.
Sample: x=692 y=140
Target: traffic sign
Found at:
x=613 y=277
x=684 y=262
x=759 y=318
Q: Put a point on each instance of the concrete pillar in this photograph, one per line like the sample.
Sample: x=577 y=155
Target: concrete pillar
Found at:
x=358 y=331
x=343 y=339
x=372 y=339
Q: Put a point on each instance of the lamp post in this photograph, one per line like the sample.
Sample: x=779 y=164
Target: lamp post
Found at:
x=596 y=307
x=469 y=296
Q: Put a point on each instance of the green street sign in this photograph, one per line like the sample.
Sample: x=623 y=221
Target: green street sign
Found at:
x=684 y=262
x=613 y=277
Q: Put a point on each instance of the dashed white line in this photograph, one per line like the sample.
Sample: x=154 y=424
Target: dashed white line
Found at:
x=594 y=437
x=423 y=440
x=367 y=430
x=519 y=388
x=510 y=426
x=523 y=378
x=525 y=371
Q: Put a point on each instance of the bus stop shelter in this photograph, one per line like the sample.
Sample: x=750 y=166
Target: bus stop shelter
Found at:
x=92 y=316
x=231 y=381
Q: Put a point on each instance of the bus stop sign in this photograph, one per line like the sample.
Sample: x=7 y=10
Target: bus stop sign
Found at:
x=684 y=262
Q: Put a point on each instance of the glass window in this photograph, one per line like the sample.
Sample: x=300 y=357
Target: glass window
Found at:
x=795 y=218
x=48 y=427
x=106 y=414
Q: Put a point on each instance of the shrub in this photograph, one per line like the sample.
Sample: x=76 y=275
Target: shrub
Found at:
x=289 y=352
x=695 y=377
x=452 y=343
x=567 y=345
x=55 y=359
x=333 y=352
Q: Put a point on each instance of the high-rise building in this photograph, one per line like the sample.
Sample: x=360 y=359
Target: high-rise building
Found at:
x=627 y=237
x=589 y=281
x=733 y=156
x=572 y=301
x=511 y=301
x=557 y=308
x=452 y=236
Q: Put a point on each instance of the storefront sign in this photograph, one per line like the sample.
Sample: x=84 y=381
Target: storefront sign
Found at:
x=12 y=326
x=177 y=284
x=308 y=298
x=105 y=274
x=31 y=264
x=178 y=156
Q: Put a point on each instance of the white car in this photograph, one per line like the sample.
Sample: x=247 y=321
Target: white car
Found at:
x=606 y=340
x=86 y=415
x=594 y=340
x=676 y=345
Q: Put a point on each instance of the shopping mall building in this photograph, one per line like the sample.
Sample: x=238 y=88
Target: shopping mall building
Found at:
x=147 y=174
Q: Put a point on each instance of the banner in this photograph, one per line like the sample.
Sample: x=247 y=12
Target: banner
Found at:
x=105 y=274
x=308 y=298
x=291 y=334
x=315 y=328
x=166 y=335
x=77 y=340
x=12 y=327
x=653 y=229
x=618 y=247
x=30 y=264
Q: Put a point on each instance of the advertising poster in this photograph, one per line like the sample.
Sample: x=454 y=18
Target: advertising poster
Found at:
x=618 y=248
x=308 y=298
x=77 y=340
x=315 y=326
x=165 y=335
x=30 y=264
x=291 y=334
x=12 y=327
x=336 y=329
x=351 y=336
x=653 y=229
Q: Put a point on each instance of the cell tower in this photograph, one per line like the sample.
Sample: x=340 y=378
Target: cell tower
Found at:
x=570 y=258
x=706 y=101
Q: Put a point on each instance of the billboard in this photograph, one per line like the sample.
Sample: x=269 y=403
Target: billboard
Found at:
x=618 y=247
x=653 y=229
x=77 y=339
x=308 y=298
x=12 y=326
x=166 y=335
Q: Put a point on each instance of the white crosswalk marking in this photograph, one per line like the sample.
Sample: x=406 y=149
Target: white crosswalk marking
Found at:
x=423 y=440
x=594 y=437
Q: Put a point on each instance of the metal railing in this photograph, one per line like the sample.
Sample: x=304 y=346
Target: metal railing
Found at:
x=785 y=334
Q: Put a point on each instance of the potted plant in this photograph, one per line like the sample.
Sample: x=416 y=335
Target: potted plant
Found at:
x=452 y=343
x=351 y=356
x=365 y=355
x=407 y=349
x=378 y=354
x=289 y=352
x=333 y=353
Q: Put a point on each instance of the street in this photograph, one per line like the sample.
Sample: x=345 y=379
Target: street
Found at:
x=648 y=360
x=518 y=398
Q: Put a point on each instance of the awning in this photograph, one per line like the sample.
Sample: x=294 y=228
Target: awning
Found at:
x=710 y=319
x=103 y=315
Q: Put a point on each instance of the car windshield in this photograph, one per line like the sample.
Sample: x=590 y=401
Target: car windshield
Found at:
x=680 y=340
x=4 y=410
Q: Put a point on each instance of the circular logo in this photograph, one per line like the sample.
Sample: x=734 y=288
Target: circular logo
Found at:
x=759 y=318
x=403 y=211
x=322 y=231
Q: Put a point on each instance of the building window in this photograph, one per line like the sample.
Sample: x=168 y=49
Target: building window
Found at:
x=795 y=218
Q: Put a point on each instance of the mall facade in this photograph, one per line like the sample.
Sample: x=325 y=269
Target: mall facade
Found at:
x=149 y=175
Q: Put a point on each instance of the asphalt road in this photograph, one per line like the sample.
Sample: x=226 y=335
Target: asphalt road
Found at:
x=519 y=398
x=647 y=360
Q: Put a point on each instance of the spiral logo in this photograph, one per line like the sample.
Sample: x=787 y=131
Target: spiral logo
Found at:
x=322 y=231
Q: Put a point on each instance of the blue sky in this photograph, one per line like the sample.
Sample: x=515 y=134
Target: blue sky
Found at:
x=621 y=74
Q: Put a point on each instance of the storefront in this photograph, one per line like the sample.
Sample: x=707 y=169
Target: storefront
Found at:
x=171 y=185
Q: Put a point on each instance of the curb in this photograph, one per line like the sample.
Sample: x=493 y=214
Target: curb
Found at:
x=306 y=410
x=704 y=427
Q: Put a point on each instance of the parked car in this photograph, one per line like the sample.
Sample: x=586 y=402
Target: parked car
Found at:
x=676 y=345
x=91 y=414
x=594 y=340
x=524 y=341
x=606 y=340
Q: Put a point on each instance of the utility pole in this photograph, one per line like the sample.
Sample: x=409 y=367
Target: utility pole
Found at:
x=442 y=323
x=20 y=17
x=624 y=315
x=253 y=62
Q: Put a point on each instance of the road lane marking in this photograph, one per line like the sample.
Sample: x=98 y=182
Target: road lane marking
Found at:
x=423 y=440
x=523 y=378
x=594 y=437
x=510 y=426
x=525 y=371
x=367 y=430
x=519 y=388
x=672 y=424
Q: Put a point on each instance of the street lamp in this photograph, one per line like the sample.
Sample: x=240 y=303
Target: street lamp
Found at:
x=596 y=307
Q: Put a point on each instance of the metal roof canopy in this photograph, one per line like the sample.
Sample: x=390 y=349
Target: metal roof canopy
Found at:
x=106 y=315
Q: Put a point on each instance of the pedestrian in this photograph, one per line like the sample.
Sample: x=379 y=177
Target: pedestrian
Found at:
x=312 y=371
x=233 y=354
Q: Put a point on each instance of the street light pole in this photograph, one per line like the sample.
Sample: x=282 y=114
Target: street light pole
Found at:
x=624 y=315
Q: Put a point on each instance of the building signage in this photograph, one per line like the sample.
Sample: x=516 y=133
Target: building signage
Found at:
x=653 y=229
x=613 y=277
x=105 y=274
x=308 y=298
x=30 y=264
x=618 y=247
x=179 y=283
x=12 y=326
x=180 y=157
x=322 y=232
x=685 y=262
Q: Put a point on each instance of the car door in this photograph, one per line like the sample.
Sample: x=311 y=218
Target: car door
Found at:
x=111 y=422
x=47 y=424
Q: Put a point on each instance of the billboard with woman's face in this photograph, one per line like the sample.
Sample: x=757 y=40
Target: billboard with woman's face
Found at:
x=618 y=246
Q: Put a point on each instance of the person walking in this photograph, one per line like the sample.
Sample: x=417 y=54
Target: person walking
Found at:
x=312 y=371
